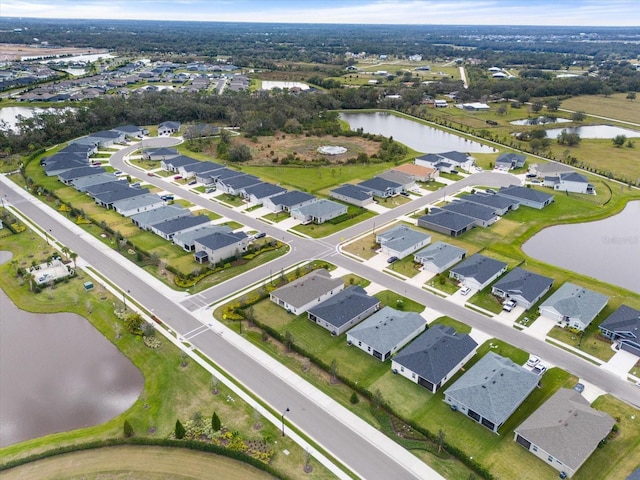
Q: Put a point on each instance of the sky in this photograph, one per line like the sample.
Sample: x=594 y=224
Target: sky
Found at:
x=420 y=12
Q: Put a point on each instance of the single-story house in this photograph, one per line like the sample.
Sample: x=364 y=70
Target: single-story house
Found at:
x=174 y=163
x=379 y=187
x=500 y=205
x=168 y=128
x=438 y=257
x=58 y=163
x=107 y=199
x=418 y=172
x=132 y=131
x=319 y=212
x=168 y=212
x=401 y=241
x=407 y=181
x=353 y=194
x=114 y=185
x=623 y=326
x=82 y=149
x=447 y=222
x=258 y=193
x=81 y=184
x=434 y=357
x=68 y=176
x=208 y=177
x=138 y=204
x=386 y=331
x=564 y=431
x=168 y=228
x=235 y=185
x=523 y=287
x=193 y=169
x=475 y=106
x=103 y=138
x=344 y=310
x=478 y=271
x=483 y=216
x=551 y=169
x=529 y=197
x=491 y=390
x=447 y=161
x=509 y=161
x=201 y=130
x=573 y=182
x=289 y=200
x=219 y=246
x=574 y=305
x=187 y=240
x=306 y=292
x=158 y=154
x=220 y=175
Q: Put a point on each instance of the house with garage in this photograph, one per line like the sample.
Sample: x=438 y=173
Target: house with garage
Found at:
x=83 y=150
x=114 y=185
x=523 y=287
x=572 y=182
x=509 y=161
x=235 y=185
x=68 y=176
x=222 y=174
x=483 y=216
x=447 y=161
x=219 y=246
x=102 y=139
x=81 y=184
x=167 y=229
x=208 y=177
x=187 y=240
x=418 y=172
x=344 y=310
x=385 y=332
x=353 y=194
x=551 y=169
x=491 y=390
x=475 y=106
x=141 y=203
x=168 y=128
x=258 y=193
x=379 y=187
x=438 y=257
x=285 y=202
x=623 y=327
x=446 y=222
x=318 y=212
x=401 y=241
x=159 y=154
x=407 y=181
x=573 y=306
x=167 y=212
x=58 y=163
x=108 y=198
x=132 y=131
x=564 y=431
x=193 y=169
x=306 y=292
x=477 y=271
x=173 y=164
x=500 y=205
x=529 y=197
x=434 y=357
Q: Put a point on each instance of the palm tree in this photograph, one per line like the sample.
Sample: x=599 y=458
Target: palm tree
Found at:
x=30 y=278
x=73 y=256
x=65 y=250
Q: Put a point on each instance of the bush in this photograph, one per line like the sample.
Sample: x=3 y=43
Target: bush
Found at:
x=354 y=398
x=180 y=431
x=128 y=429
x=215 y=422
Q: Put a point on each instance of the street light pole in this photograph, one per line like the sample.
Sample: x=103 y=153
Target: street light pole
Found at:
x=283 y=414
x=124 y=298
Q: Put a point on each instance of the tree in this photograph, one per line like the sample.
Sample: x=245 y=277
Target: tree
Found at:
x=239 y=153
x=30 y=277
x=631 y=96
x=553 y=105
x=180 y=430
x=619 y=140
x=377 y=399
x=73 y=256
x=354 y=398
x=502 y=109
x=536 y=107
x=578 y=116
x=65 y=250
x=568 y=138
x=215 y=422
x=440 y=439
x=128 y=429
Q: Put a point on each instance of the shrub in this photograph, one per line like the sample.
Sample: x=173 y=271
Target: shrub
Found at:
x=128 y=429
x=180 y=431
x=215 y=422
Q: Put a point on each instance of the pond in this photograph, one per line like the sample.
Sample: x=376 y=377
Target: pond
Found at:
x=58 y=373
x=539 y=121
x=10 y=114
x=271 y=84
x=608 y=249
x=417 y=136
x=595 y=131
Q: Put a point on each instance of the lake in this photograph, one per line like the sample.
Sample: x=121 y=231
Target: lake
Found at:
x=10 y=114
x=539 y=121
x=595 y=131
x=58 y=373
x=608 y=249
x=415 y=135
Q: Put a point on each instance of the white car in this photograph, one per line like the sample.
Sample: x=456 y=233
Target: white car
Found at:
x=533 y=361
x=508 y=305
x=465 y=290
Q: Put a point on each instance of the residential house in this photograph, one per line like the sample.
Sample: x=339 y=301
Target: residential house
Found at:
x=623 y=326
x=159 y=154
x=77 y=148
x=108 y=198
x=446 y=162
x=168 y=212
x=491 y=390
x=220 y=246
x=407 y=181
x=318 y=212
x=344 y=310
x=187 y=240
x=509 y=161
x=573 y=182
x=168 y=128
x=379 y=187
x=114 y=185
x=81 y=184
x=103 y=139
x=438 y=257
x=551 y=169
x=574 y=305
x=564 y=431
x=529 y=197
x=478 y=271
x=174 y=163
x=132 y=131
x=201 y=129
x=500 y=205
x=138 y=204
x=434 y=357
x=258 y=193
x=57 y=164
x=418 y=172
x=288 y=201
x=208 y=177
x=306 y=292
x=68 y=176
x=222 y=174
x=483 y=216
x=401 y=241
x=523 y=287
x=447 y=222
x=167 y=229
x=475 y=106
x=385 y=332
x=353 y=194
x=193 y=169
x=235 y=185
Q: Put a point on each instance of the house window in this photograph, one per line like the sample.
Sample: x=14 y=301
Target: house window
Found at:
x=413 y=375
x=402 y=369
x=368 y=349
x=550 y=458
x=359 y=344
x=535 y=449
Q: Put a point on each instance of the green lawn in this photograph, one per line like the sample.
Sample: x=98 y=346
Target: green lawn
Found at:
x=328 y=228
x=444 y=283
x=390 y=299
x=486 y=300
x=406 y=266
x=276 y=216
x=233 y=200
x=589 y=342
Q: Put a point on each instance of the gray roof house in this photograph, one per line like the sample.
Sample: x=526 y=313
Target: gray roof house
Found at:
x=114 y=185
x=529 y=197
x=478 y=271
x=491 y=390
x=160 y=153
x=438 y=257
x=344 y=310
x=573 y=182
x=401 y=241
x=85 y=150
x=434 y=357
x=187 y=240
x=306 y=292
x=380 y=187
x=68 y=176
x=167 y=128
x=167 y=212
x=564 y=431
x=289 y=200
x=353 y=194
x=168 y=228
x=623 y=326
x=55 y=164
x=318 y=212
x=500 y=205
x=208 y=177
x=483 y=216
x=258 y=193
x=131 y=131
x=193 y=169
x=81 y=184
x=107 y=199
x=551 y=169
x=574 y=305
x=174 y=163
x=220 y=246
x=386 y=331
x=508 y=161
x=446 y=161
x=407 y=181
x=523 y=287
x=235 y=185
x=446 y=222
x=103 y=138
x=138 y=204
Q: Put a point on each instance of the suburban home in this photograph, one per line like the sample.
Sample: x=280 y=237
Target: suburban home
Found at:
x=529 y=197
x=434 y=357
x=447 y=161
x=623 y=326
x=551 y=169
x=81 y=184
x=306 y=292
x=418 y=172
x=68 y=176
x=344 y=310
x=509 y=161
x=193 y=169
x=475 y=106
x=447 y=222
x=114 y=185
x=201 y=129
x=407 y=181
x=168 y=228
x=564 y=431
x=401 y=241
x=491 y=390
x=318 y=212
x=208 y=177
x=167 y=212
x=500 y=205
x=168 y=128
x=102 y=139
x=386 y=331
x=159 y=154
x=138 y=204
x=107 y=199
x=235 y=185
x=574 y=305
x=353 y=194
x=132 y=131
x=523 y=287
x=187 y=240
x=483 y=216
x=573 y=182
x=478 y=271
x=174 y=163
x=379 y=187
x=57 y=164
x=288 y=201
x=219 y=246
x=438 y=257
x=83 y=150
x=256 y=194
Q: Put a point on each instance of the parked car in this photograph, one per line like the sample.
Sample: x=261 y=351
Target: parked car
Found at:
x=404 y=194
x=210 y=190
x=259 y=235
x=151 y=174
x=178 y=177
x=392 y=259
x=465 y=290
x=508 y=305
x=533 y=361
x=531 y=175
x=539 y=369
x=579 y=387
x=118 y=173
x=135 y=184
x=166 y=197
x=454 y=172
x=491 y=191
x=192 y=182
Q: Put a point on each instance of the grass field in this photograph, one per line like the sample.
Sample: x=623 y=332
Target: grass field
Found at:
x=616 y=106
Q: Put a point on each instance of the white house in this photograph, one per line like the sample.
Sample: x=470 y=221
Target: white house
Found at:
x=401 y=241
x=300 y=295
x=570 y=182
x=573 y=306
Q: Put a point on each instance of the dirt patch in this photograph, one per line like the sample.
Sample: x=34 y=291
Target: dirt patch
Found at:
x=12 y=51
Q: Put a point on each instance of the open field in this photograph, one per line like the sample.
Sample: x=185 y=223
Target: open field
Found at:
x=615 y=106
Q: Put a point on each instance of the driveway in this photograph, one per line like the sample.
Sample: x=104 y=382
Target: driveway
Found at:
x=540 y=328
x=621 y=363
x=378 y=262
x=376 y=207
x=421 y=278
